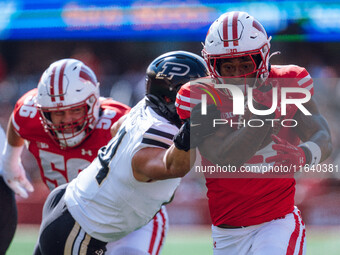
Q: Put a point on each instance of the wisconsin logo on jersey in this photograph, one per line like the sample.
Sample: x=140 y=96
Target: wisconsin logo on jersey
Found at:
x=170 y=69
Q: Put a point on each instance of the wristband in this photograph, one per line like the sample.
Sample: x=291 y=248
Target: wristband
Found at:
x=314 y=150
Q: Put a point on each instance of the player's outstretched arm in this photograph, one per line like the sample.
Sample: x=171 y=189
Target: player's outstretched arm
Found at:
x=313 y=130
x=13 y=171
x=159 y=164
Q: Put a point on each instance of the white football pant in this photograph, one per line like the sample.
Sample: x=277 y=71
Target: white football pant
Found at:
x=284 y=236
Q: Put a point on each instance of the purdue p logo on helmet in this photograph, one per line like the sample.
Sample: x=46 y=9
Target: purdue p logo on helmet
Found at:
x=170 y=69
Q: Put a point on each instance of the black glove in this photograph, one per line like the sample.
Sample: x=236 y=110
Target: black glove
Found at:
x=182 y=138
x=202 y=125
x=199 y=126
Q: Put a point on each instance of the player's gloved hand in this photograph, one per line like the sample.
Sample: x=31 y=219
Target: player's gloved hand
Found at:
x=197 y=127
x=202 y=125
x=182 y=138
x=266 y=99
x=14 y=173
x=287 y=154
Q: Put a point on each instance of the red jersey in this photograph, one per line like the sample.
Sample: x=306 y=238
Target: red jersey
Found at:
x=251 y=201
x=59 y=166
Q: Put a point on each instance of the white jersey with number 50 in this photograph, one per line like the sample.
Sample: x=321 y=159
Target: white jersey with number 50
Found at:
x=105 y=199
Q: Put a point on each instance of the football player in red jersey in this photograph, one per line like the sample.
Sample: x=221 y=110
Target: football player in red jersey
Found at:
x=65 y=122
x=253 y=215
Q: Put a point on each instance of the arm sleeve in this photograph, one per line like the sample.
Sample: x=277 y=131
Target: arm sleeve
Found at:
x=159 y=135
x=304 y=80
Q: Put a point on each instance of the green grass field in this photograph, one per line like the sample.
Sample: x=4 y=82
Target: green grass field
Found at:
x=190 y=240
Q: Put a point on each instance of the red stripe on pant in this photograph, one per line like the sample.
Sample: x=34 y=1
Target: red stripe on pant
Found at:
x=163 y=232
x=294 y=236
x=154 y=234
x=302 y=241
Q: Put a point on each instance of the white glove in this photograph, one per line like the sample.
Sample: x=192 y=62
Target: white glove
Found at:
x=13 y=172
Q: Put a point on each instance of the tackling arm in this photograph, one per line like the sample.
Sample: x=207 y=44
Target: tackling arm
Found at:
x=158 y=164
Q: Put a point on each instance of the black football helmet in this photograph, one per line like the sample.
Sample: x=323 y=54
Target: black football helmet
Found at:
x=164 y=77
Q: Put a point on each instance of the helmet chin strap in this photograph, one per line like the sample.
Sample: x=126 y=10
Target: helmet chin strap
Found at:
x=273 y=54
x=67 y=140
x=264 y=78
x=162 y=109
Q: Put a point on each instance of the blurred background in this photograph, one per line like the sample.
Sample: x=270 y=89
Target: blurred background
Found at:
x=118 y=39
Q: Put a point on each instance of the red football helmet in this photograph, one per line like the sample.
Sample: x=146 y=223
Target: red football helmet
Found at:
x=237 y=34
x=68 y=84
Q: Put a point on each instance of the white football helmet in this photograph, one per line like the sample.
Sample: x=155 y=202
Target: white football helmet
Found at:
x=67 y=84
x=237 y=34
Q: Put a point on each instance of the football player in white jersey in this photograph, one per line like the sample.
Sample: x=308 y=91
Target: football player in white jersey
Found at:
x=135 y=174
x=8 y=215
